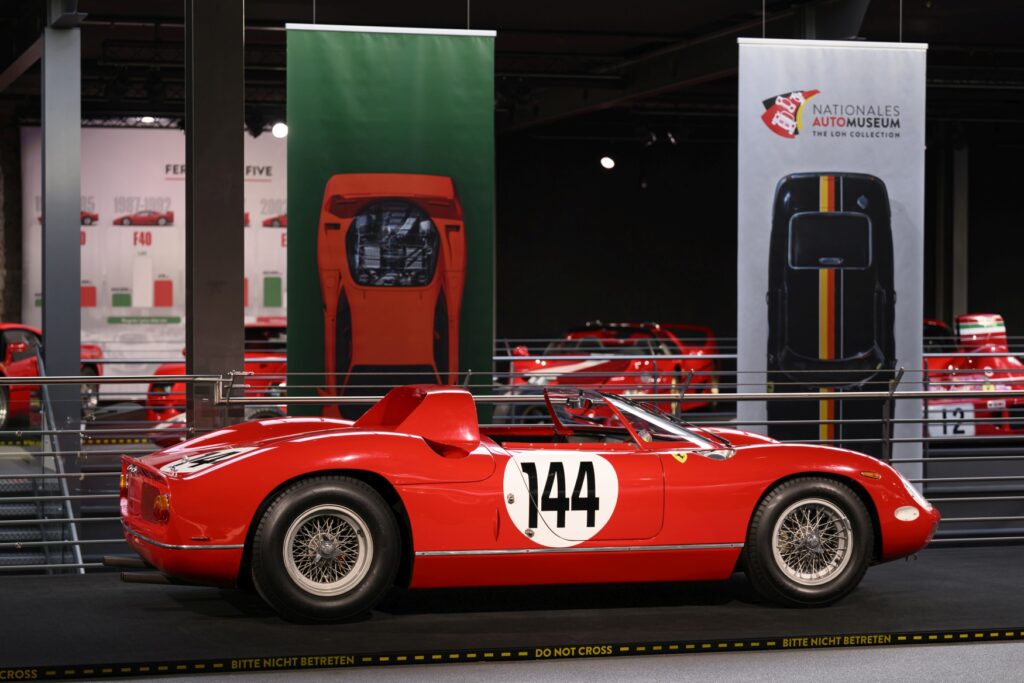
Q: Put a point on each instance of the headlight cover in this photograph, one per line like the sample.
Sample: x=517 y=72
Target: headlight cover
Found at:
x=914 y=493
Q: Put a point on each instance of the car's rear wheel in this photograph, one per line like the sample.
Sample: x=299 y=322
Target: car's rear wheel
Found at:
x=86 y=221
x=161 y=221
x=809 y=542
x=326 y=549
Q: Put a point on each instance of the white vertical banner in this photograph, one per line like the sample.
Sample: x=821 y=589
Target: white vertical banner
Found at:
x=831 y=231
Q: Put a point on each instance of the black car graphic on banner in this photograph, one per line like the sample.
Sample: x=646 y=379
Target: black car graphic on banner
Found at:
x=831 y=293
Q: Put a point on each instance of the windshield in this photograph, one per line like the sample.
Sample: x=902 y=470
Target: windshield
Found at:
x=644 y=418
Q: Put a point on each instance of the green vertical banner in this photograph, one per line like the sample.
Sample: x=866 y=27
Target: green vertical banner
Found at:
x=391 y=208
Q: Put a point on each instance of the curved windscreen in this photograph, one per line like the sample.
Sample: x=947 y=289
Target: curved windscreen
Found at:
x=392 y=243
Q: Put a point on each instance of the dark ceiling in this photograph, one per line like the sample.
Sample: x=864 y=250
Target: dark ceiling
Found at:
x=567 y=69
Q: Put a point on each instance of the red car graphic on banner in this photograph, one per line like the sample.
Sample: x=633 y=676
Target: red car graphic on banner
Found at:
x=325 y=516
x=19 y=345
x=391 y=250
x=85 y=218
x=280 y=221
x=146 y=218
x=977 y=333
x=601 y=357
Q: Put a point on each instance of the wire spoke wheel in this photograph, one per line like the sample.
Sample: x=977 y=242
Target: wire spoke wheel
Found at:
x=328 y=550
x=812 y=541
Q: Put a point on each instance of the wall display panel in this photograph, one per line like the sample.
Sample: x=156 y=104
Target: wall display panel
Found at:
x=133 y=238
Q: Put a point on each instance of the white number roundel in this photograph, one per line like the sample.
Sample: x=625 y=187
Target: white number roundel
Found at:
x=559 y=499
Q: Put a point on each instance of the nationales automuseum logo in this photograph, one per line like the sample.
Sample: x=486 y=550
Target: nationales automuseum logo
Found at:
x=782 y=113
x=785 y=116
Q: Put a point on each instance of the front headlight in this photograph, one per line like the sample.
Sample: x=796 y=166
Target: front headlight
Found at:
x=914 y=493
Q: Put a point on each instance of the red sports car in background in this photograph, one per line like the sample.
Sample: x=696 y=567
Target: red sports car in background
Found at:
x=977 y=333
x=600 y=356
x=265 y=357
x=280 y=221
x=146 y=218
x=20 y=343
x=326 y=516
x=392 y=256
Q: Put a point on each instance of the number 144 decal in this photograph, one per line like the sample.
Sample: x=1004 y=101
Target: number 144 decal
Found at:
x=559 y=499
x=553 y=499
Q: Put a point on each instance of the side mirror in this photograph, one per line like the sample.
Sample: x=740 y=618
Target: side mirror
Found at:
x=579 y=403
x=520 y=351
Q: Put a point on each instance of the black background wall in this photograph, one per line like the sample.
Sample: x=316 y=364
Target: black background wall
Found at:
x=654 y=239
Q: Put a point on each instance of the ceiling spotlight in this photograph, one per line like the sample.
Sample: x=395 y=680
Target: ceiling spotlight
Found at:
x=147 y=119
x=279 y=130
x=607 y=163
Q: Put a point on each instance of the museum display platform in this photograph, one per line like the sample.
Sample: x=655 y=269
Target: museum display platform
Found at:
x=96 y=626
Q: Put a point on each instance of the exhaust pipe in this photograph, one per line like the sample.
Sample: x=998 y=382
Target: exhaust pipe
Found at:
x=119 y=562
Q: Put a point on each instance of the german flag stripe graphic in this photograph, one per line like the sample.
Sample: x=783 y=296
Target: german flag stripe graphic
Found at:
x=826 y=312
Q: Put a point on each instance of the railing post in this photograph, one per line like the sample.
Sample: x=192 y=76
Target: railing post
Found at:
x=887 y=417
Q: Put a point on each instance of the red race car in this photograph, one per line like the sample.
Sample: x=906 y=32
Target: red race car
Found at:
x=265 y=357
x=982 y=334
x=280 y=221
x=392 y=256
x=20 y=343
x=600 y=357
x=325 y=516
x=89 y=217
x=146 y=218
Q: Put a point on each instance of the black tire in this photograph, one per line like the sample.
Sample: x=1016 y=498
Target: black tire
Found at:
x=262 y=413
x=275 y=223
x=126 y=221
x=789 y=560
x=289 y=582
x=4 y=408
x=161 y=221
x=86 y=221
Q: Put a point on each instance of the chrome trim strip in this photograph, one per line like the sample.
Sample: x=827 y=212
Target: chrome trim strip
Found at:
x=602 y=549
x=170 y=546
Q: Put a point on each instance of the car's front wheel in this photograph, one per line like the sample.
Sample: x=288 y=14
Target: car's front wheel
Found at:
x=126 y=221
x=326 y=549
x=809 y=542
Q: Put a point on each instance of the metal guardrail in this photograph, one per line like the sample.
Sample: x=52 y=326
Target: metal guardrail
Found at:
x=979 y=479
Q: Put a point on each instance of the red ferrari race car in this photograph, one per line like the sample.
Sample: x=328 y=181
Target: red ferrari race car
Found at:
x=600 y=356
x=325 y=516
x=20 y=343
x=982 y=334
x=392 y=256
x=265 y=357
x=146 y=218
x=89 y=217
x=280 y=221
